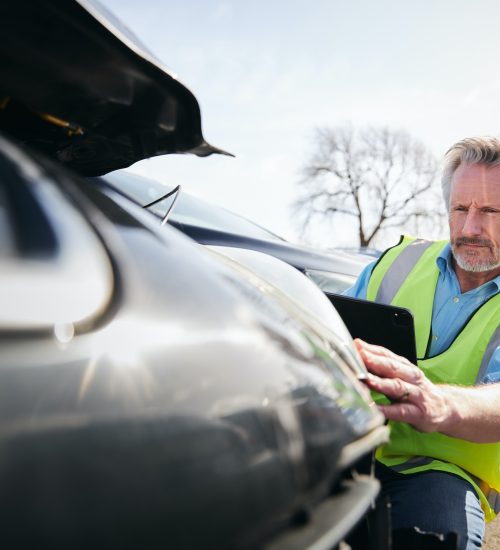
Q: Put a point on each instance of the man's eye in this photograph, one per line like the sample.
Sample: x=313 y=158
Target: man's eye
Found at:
x=460 y=209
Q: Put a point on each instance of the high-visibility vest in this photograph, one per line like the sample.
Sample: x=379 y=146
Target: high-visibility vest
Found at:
x=406 y=276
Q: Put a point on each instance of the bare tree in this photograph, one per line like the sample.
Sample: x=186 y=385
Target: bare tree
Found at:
x=380 y=177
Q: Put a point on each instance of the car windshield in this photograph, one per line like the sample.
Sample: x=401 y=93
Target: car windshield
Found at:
x=188 y=210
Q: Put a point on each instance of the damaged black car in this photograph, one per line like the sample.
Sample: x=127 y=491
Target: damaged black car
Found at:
x=153 y=394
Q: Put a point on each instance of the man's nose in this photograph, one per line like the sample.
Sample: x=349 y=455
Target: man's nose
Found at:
x=472 y=224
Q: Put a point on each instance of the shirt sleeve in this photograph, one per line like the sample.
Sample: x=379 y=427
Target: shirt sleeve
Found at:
x=493 y=371
x=359 y=288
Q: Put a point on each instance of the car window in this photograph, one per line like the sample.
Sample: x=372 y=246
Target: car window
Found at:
x=189 y=210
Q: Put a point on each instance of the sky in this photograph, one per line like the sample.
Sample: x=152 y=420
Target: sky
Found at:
x=267 y=73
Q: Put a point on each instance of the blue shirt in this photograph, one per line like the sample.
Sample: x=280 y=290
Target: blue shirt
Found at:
x=451 y=308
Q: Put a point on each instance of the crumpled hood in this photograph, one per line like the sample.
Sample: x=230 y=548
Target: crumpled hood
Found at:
x=75 y=84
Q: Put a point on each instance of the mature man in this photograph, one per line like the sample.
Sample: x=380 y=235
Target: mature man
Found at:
x=441 y=468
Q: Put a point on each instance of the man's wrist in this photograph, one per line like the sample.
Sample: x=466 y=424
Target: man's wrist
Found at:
x=453 y=417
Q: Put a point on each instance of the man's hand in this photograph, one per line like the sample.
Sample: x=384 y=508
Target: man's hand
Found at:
x=470 y=413
x=415 y=399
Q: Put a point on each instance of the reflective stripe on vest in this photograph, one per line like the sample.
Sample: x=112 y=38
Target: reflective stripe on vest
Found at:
x=493 y=500
x=488 y=354
x=400 y=269
x=413 y=462
x=492 y=496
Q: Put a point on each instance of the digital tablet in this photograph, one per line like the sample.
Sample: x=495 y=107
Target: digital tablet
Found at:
x=381 y=324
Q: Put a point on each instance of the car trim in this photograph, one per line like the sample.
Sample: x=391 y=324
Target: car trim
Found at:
x=333 y=519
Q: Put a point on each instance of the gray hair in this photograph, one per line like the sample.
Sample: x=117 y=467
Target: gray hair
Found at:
x=476 y=150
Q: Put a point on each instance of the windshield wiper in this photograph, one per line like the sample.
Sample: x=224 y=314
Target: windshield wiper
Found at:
x=176 y=191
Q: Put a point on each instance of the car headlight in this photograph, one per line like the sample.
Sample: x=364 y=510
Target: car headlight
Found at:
x=331 y=282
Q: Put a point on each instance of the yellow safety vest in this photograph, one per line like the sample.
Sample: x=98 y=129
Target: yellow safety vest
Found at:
x=406 y=276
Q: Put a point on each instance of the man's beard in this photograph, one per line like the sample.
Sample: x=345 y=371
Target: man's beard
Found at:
x=472 y=263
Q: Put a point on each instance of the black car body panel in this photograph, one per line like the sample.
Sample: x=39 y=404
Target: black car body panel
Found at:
x=81 y=89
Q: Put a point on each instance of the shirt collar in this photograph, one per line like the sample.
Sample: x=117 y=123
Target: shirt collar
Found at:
x=445 y=265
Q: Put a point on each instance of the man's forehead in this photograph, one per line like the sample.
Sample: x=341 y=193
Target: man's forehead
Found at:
x=476 y=182
x=477 y=171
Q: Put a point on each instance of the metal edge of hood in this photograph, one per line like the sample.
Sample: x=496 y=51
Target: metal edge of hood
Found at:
x=125 y=35
x=89 y=94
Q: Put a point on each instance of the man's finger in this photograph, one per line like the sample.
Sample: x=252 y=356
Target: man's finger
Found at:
x=384 y=363
x=402 y=412
x=394 y=388
x=380 y=352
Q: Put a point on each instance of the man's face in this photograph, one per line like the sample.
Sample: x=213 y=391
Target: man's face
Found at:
x=474 y=217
